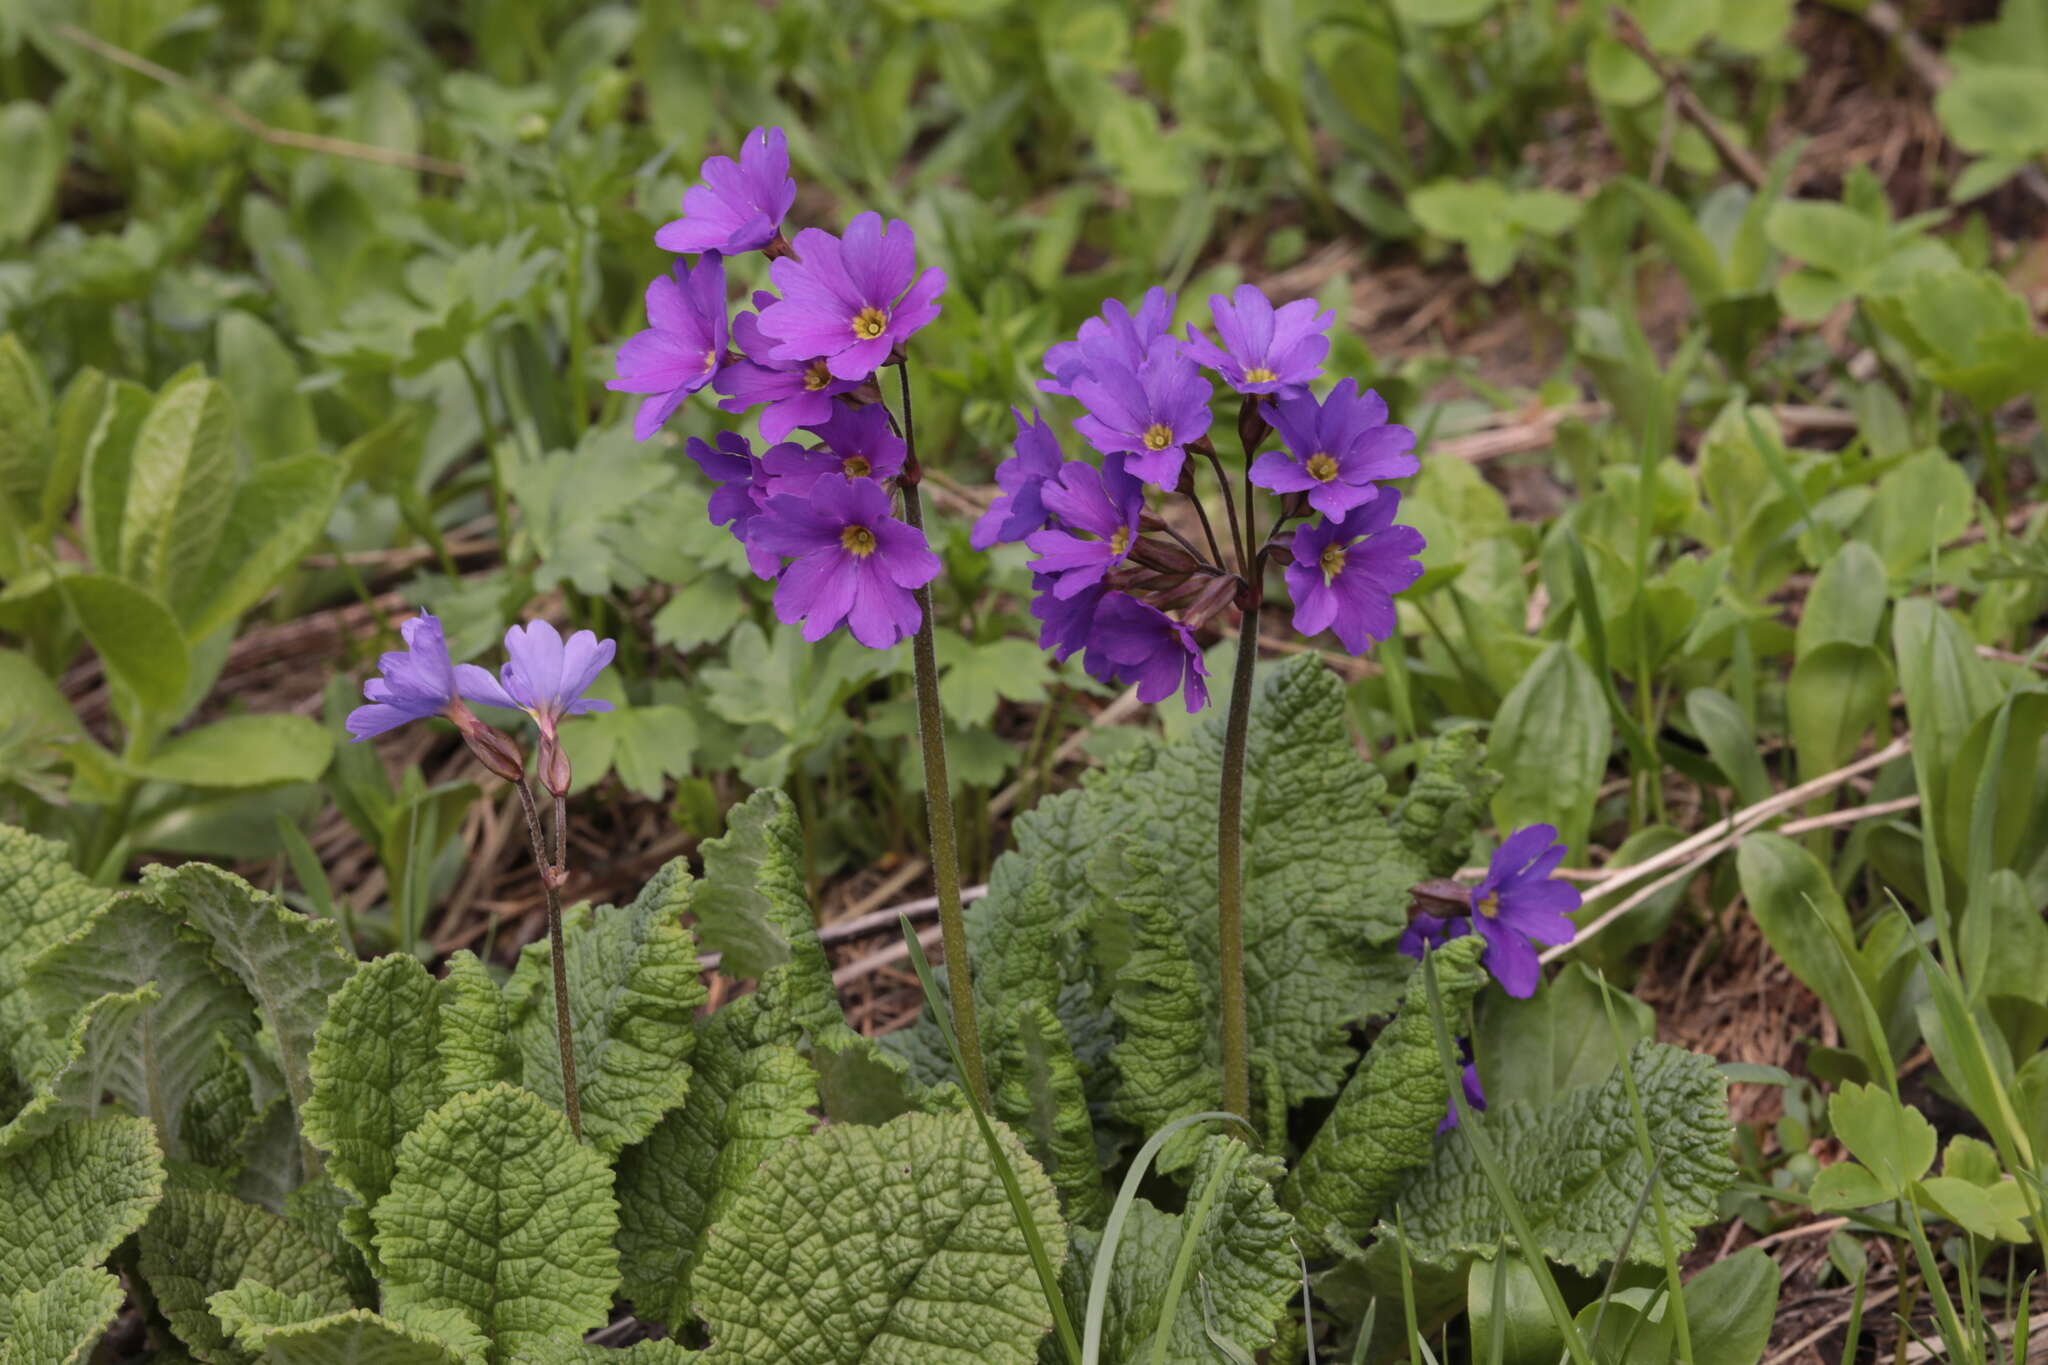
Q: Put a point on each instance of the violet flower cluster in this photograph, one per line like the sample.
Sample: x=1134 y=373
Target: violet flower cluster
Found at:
x=1108 y=569
x=1517 y=905
x=815 y=507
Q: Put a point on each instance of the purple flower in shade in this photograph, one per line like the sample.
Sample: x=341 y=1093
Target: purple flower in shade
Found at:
x=1344 y=575
x=1519 y=904
x=1475 y=1097
x=1338 y=451
x=851 y=300
x=798 y=393
x=1427 y=931
x=1151 y=413
x=1098 y=511
x=1118 y=334
x=742 y=493
x=1264 y=350
x=544 y=675
x=740 y=206
x=418 y=681
x=683 y=346
x=1020 y=508
x=1150 y=649
x=861 y=439
x=853 y=562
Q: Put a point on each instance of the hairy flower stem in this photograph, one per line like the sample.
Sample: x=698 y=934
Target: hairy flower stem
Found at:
x=938 y=791
x=1237 y=1075
x=557 y=952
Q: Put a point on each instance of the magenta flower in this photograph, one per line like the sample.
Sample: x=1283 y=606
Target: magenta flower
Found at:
x=1344 y=575
x=1264 y=350
x=742 y=492
x=1097 y=511
x=740 y=206
x=1117 y=335
x=683 y=346
x=851 y=300
x=1519 y=904
x=1151 y=413
x=1020 y=508
x=852 y=561
x=798 y=393
x=1338 y=451
x=543 y=676
x=418 y=681
x=1151 y=650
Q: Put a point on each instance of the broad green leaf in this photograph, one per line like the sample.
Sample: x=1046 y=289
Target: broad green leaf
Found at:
x=496 y=1211
x=197 y=1244
x=1528 y=1333
x=702 y=612
x=77 y=417
x=1920 y=506
x=181 y=484
x=70 y=1197
x=1557 y=1040
x=103 y=482
x=1385 y=1121
x=1039 y=1093
x=1803 y=919
x=1550 y=743
x=1947 y=688
x=137 y=639
x=1729 y=1308
x=1835 y=696
x=88 y=1055
x=1846 y=1185
x=1730 y=742
x=293 y=1329
x=580 y=1353
x=1893 y=1140
x=976 y=676
x=1993 y=1213
x=2017 y=792
x=1446 y=801
x=28 y=698
x=751 y=906
x=279 y=511
x=477 y=1047
x=60 y=1322
x=24 y=428
x=889 y=1243
x=1168 y=1058
x=1999 y=111
x=634 y=988
x=1847 y=600
x=1446 y=14
x=244 y=751
x=32 y=148
x=1576 y=1168
x=42 y=902
x=1618 y=76
x=274 y=418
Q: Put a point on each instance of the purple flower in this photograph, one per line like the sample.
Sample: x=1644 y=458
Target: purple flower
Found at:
x=1475 y=1096
x=1427 y=931
x=1151 y=413
x=1338 y=451
x=739 y=207
x=861 y=439
x=1150 y=649
x=1344 y=575
x=850 y=300
x=1519 y=904
x=1118 y=335
x=853 y=562
x=543 y=676
x=1067 y=624
x=418 y=681
x=798 y=393
x=1264 y=350
x=1098 y=511
x=683 y=346
x=1020 y=508
x=741 y=495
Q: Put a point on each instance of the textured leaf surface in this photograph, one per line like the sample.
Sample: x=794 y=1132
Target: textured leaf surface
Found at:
x=496 y=1211
x=60 y=1322
x=70 y=1197
x=1576 y=1168
x=102 y=1030
x=477 y=1048
x=577 y=1353
x=291 y=1329
x=1385 y=1122
x=634 y=989
x=1039 y=1094
x=198 y=1243
x=752 y=907
x=1446 y=803
x=883 y=1246
x=1168 y=1059
x=42 y=902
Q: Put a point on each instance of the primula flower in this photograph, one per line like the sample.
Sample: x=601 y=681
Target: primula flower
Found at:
x=1475 y=1096
x=861 y=439
x=853 y=562
x=1020 y=508
x=1519 y=904
x=1118 y=334
x=740 y=206
x=1264 y=350
x=1098 y=511
x=1151 y=650
x=1151 y=413
x=798 y=393
x=1344 y=575
x=418 y=681
x=683 y=346
x=543 y=676
x=851 y=300
x=1338 y=451
x=1427 y=931
x=742 y=493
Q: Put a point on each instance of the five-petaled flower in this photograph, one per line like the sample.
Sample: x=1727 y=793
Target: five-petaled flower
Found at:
x=1151 y=413
x=1344 y=575
x=543 y=675
x=683 y=346
x=418 y=681
x=1264 y=350
x=1339 y=451
x=1151 y=650
x=1020 y=508
x=1097 y=512
x=1117 y=335
x=798 y=393
x=741 y=205
x=851 y=561
x=850 y=300
x=1519 y=904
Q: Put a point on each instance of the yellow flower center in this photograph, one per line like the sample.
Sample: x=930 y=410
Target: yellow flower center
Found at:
x=1321 y=467
x=857 y=467
x=1333 y=562
x=1489 y=906
x=816 y=376
x=710 y=361
x=1259 y=374
x=858 y=539
x=870 y=323
x=1158 y=436
x=1119 y=540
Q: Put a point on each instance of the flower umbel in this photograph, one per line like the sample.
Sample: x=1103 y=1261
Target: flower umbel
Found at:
x=851 y=300
x=1151 y=413
x=740 y=205
x=853 y=562
x=683 y=346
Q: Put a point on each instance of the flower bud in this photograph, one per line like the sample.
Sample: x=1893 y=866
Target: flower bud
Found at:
x=553 y=765
x=1211 y=602
x=1162 y=555
x=1251 y=423
x=499 y=755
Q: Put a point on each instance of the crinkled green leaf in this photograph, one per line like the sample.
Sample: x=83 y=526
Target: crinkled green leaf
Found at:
x=199 y=1243
x=42 y=902
x=634 y=989
x=578 y=1353
x=101 y=1034
x=498 y=1212
x=71 y=1196
x=176 y=1048
x=744 y=1102
x=752 y=907
x=1576 y=1167
x=1039 y=1093
x=1167 y=1060
x=293 y=1329
x=1385 y=1121
x=58 y=1323
x=477 y=1047
x=181 y=484
x=894 y=1243
x=1240 y=1248
x=1446 y=803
